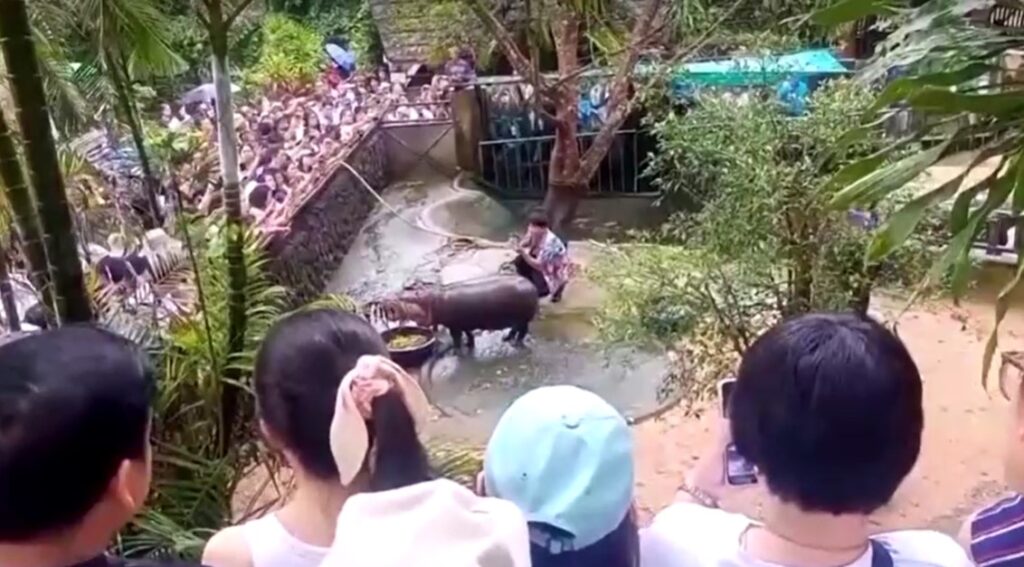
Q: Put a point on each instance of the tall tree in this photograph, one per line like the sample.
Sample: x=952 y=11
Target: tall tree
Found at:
x=129 y=40
x=29 y=98
x=557 y=98
x=218 y=18
x=22 y=208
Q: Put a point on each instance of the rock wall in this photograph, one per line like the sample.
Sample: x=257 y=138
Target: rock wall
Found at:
x=324 y=227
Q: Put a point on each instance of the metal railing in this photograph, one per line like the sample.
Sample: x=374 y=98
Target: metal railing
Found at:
x=518 y=167
x=434 y=112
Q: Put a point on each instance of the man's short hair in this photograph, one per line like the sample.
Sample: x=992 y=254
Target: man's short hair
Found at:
x=538 y=217
x=828 y=406
x=74 y=404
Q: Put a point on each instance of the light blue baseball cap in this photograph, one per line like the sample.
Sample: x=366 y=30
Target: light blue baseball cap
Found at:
x=565 y=457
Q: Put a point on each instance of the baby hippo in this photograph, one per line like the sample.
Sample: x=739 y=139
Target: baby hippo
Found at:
x=491 y=304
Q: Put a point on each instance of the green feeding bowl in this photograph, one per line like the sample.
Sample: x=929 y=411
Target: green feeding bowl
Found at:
x=410 y=346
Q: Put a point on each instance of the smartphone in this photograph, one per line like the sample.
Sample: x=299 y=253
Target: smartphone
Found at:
x=725 y=388
x=738 y=470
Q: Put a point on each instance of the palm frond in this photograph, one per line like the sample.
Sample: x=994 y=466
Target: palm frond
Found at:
x=456 y=461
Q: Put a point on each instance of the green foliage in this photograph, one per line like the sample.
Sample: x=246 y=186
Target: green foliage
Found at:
x=952 y=82
x=744 y=27
x=195 y=476
x=755 y=239
x=351 y=20
x=291 y=54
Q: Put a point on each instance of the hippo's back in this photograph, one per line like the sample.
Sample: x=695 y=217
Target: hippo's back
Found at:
x=492 y=303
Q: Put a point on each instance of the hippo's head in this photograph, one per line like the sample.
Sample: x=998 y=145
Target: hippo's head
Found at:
x=410 y=306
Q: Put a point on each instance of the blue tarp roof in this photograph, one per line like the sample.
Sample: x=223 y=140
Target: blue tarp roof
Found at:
x=760 y=71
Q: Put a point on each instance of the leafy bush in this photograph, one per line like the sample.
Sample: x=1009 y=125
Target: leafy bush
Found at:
x=759 y=241
x=291 y=54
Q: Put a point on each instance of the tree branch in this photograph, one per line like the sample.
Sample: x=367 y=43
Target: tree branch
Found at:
x=507 y=43
x=242 y=5
x=620 y=100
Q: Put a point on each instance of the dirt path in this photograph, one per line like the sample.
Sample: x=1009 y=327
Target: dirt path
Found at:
x=961 y=458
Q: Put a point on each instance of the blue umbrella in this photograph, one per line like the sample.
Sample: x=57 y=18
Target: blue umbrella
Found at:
x=343 y=58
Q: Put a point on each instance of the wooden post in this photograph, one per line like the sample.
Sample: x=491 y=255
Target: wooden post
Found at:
x=466 y=117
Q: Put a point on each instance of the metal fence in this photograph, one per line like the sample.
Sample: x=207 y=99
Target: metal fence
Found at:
x=518 y=167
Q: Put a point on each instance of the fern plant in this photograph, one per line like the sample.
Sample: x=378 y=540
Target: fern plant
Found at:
x=194 y=474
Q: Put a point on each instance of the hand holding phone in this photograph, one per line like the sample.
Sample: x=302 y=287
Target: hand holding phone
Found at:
x=738 y=470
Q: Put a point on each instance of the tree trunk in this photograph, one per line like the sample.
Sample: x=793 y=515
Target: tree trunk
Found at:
x=119 y=76
x=7 y=295
x=564 y=190
x=228 y=152
x=41 y=158
x=26 y=222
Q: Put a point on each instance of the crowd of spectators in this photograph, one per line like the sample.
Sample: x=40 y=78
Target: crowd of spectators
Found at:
x=289 y=142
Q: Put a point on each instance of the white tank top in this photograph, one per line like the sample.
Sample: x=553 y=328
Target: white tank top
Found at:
x=272 y=546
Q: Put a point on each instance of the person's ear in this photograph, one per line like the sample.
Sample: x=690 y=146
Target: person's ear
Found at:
x=130 y=484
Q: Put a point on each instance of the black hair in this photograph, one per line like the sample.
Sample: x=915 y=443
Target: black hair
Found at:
x=114 y=269
x=298 y=370
x=828 y=406
x=538 y=217
x=620 y=548
x=139 y=263
x=38 y=315
x=74 y=404
x=259 y=195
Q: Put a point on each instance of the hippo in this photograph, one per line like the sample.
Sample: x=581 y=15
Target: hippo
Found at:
x=492 y=303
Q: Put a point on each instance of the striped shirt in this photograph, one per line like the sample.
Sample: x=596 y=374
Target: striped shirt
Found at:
x=997 y=533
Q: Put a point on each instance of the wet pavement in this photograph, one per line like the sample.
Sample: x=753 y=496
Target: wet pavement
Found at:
x=471 y=390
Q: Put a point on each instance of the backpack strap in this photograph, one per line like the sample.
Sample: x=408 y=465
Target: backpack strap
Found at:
x=880 y=556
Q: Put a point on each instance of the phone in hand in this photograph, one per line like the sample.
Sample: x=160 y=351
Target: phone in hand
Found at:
x=738 y=470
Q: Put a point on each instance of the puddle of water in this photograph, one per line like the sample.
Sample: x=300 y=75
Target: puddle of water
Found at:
x=389 y=252
x=476 y=214
x=473 y=389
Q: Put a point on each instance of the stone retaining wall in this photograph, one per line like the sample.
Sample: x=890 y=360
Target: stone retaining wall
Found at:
x=324 y=227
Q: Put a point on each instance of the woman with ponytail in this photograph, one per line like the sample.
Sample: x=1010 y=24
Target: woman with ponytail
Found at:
x=303 y=367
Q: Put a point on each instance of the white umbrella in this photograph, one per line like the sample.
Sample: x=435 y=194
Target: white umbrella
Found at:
x=204 y=93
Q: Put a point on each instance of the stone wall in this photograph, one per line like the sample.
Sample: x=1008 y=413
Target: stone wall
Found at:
x=324 y=227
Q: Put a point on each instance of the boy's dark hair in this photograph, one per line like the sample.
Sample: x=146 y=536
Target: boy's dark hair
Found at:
x=74 y=404
x=298 y=370
x=538 y=217
x=828 y=406
x=620 y=548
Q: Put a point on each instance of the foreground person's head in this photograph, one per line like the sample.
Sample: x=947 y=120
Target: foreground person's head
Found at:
x=828 y=406
x=74 y=439
x=299 y=369
x=565 y=457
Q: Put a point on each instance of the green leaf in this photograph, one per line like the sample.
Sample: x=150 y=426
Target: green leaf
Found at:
x=957 y=253
x=904 y=87
x=1003 y=301
x=846 y=11
x=944 y=101
x=881 y=182
x=902 y=224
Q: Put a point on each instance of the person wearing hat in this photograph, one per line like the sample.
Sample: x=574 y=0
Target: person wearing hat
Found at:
x=564 y=456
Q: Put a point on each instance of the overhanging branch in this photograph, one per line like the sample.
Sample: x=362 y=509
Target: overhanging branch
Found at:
x=239 y=8
x=507 y=43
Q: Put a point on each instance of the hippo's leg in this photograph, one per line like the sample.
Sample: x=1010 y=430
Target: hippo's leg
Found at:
x=470 y=340
x=519 y=332
x=456 y=338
